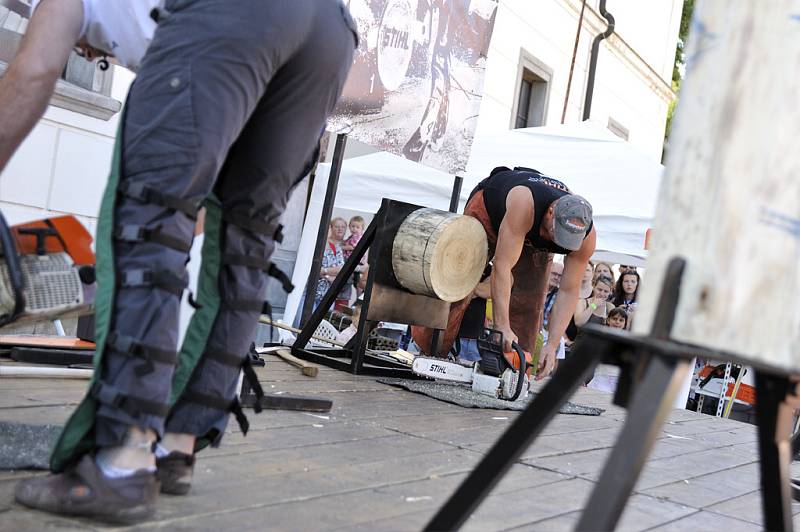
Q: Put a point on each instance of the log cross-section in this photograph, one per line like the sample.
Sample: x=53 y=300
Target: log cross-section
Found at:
x=439 y=254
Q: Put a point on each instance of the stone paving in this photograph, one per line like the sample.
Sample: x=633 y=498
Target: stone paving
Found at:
x=387 y=459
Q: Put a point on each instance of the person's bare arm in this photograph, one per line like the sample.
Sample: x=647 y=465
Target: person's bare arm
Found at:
x=582 y=313
x=484 y=289
x=510 y=239
x=27 y=85
x=566 y=301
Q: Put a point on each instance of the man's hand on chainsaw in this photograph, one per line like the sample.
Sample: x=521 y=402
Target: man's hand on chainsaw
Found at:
x=547 y=361
x=508 y=338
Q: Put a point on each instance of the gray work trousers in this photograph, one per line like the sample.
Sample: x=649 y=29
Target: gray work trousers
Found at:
x=231 y=99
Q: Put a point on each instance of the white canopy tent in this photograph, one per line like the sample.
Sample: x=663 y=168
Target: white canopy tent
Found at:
x=619 y=181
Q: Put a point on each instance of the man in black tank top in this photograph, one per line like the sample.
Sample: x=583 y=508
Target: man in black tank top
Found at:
x=532 y=213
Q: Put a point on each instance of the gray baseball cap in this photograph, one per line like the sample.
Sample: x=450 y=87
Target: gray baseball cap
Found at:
x=573 y=216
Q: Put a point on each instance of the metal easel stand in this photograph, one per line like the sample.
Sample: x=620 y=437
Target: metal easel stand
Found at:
x=384 y=299
x=651 y=366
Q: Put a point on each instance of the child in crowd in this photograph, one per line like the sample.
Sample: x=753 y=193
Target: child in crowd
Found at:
x=356 y=227
x=617 y=318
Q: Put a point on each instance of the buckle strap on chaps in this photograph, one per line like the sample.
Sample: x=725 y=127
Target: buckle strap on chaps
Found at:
x=134 y=406
x=162 y=279
x=128 y=345
x=219 y=403
x=138 y=233
x=286 y=282
x=236 y=361
x=146 y=194
x=255 y=225
x=257 y=263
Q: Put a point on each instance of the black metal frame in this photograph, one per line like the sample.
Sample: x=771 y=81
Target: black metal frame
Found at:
x=383 y=227
x=322 y=232
x=651 y=366
x=379 y=232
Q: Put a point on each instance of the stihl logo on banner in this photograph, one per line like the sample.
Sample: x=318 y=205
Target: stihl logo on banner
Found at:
x=416 y=83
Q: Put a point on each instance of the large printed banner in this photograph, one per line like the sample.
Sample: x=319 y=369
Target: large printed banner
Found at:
x=417 y=78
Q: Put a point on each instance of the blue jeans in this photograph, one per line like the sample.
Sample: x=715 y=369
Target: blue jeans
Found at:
x=469 y=349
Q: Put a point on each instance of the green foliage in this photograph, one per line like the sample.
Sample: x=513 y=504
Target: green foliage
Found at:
x=680 y=60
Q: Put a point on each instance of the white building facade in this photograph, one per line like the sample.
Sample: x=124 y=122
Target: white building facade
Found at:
x=63 y=165
x=532 y=46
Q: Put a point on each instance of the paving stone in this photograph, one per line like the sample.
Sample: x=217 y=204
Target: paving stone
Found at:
x=706 y=521
x=710 y=489
x=385 y=459
x=748 y=508
x=641 y=513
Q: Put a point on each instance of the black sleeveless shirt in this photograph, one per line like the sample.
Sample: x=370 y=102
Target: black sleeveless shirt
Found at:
x=545 y=190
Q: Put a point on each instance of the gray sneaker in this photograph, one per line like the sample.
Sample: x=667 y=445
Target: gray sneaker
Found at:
x=83 y=490
x=175 y=472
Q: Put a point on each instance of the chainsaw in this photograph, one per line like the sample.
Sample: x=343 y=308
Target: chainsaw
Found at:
x=46 y=270
x=496 y=374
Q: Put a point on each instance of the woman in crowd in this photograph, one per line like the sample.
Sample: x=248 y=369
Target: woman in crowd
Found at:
x=585 y=291
x=626 y=291
x=603 y=268
x=595 y=309
x=332 y=262
x=587 y=281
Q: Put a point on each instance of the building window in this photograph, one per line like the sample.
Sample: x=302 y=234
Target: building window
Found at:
x=83 y=88
x=618 y=129
x=533 y=91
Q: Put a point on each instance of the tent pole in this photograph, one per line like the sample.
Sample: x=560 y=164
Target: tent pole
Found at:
x=322 y=233
x=456 y=194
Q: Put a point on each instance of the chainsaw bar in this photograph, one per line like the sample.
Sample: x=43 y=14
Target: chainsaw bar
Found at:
x=437 y=368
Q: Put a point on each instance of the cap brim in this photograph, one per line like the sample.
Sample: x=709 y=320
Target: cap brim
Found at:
x=567 y=239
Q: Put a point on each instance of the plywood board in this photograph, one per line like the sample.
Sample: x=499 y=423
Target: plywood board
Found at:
x=730 y=201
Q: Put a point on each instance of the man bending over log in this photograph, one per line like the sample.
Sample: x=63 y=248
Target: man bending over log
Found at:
x=527 y=217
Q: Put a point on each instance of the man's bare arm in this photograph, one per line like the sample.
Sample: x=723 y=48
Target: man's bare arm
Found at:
x=28 y=84
x=510 y=239
x=566 y=302
x=569 y=290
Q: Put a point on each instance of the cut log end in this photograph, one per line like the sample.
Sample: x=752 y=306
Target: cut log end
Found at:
x=439 y=254
x=459 y=259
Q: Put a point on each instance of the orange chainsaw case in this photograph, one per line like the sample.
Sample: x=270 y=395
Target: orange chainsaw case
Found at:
x=73 y=239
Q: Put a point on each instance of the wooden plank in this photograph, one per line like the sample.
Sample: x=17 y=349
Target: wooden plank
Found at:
x=41 y=340
x=730 y=199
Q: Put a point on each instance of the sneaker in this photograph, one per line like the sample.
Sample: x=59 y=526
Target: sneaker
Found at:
x=175 y=473
x=83 y=490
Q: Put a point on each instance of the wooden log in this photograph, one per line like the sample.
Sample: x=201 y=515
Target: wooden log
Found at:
x=730 y=199
x=439 y=254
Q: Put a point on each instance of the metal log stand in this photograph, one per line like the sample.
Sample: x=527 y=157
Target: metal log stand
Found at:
x=381 y=295
x=651 y=366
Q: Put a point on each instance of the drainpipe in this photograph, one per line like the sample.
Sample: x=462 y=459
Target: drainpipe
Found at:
x=572 y=64
x=587 y=103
